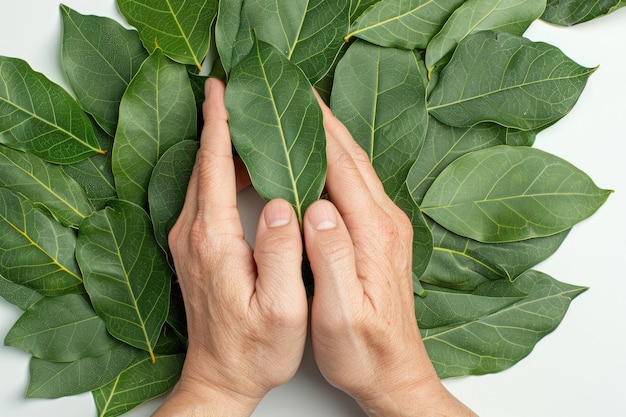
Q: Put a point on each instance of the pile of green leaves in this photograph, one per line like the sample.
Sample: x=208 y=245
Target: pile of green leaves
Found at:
x=446 y=97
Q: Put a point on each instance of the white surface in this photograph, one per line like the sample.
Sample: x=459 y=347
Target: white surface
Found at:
x=578 y=371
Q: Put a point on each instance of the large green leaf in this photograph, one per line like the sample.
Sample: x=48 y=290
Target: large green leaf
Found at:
x=138 y=383
x=277 y=127
x=407 y=24
x=35 y=250
x=226 y=31
x=180 y=27
x=506 y=193
x=61 y=379
x=509 y=80
x=308 y=32
x=380 y=96
x=99 y=57
x=45 y=184
x=572 y=12
x=157 y=111
x=126 y=274
x=168 y=187
x=464 y=264
x=512 y=16
x=496 y=341
x=19 y=295
x=359 y=6
x=61 y=329
x=444 y=144
x=39 y=116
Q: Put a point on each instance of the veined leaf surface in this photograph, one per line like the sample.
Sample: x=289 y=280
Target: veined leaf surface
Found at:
x=126 y=274
x=359 y=6
x=276 y=126
x=19 y=295
x=407 y=24
x=141 y=381
x=40 y=117
x=45 y=184
x=99 y=57
x=227 y=27
x=35 y=250
x=573 y=12
x=180 y=27
x=511 y=16
x=497 y=341
x=61 y=329
x=157 y=111
x=380 y=96
x=507 y=79
x=506 y=193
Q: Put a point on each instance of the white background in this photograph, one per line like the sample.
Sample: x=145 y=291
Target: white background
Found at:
x=577 y=371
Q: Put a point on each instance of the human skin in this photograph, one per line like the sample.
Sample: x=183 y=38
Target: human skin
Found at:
x=247 y=309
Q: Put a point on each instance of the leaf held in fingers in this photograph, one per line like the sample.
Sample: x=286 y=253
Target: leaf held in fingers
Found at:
x=506 y=193
x=61 y=329
x=157 y=111
x=99 y=57
x=277 y=128
x=126 y=274
x=40 y=117
x=507 y=79
x=180 y=27
x=35 y=250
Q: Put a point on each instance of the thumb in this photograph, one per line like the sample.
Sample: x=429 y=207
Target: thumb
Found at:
x=278 y=254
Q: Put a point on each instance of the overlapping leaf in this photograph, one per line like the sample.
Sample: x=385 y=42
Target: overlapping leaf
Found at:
x=138 y=383
x=359 y=6
x=380 y=96
x=99 y=57
x=181 y=28
x=511 y=16
x=35 y=250
x=44 y=183
x=407 y=24
x=40 y=117
x=19 y=295
x=126 y=274
x=227 y=28
x=506 y=193
x=573 y=12
x=509 y=80
x=276 y=126
x=496 y=341
x=61 y=329
x=157 y=111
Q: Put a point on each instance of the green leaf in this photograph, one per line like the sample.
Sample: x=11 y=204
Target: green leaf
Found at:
x=507 y=79
x=277 y=128
x=126 y=274
x=61 y=329
x=512 y=16
x=62 y=379
x=573 y=12
x=359 y=6
x=497 y=341
x=506 y=193
x=168 y=187
x=99 y=57
x=380 y=96
x=39 y=116
x=95 y=174
x=308 y=32
x=140 y=382
x=157 y=111
x=407 y=24
x=44 y=184
x=464 y=264
x=180 y=27
x=35 y=250
x=19 y=295
x=442 y=145
x=227 y=26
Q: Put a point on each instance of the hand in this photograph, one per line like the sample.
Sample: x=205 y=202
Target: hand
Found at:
x=246 y=310
x=363 y=328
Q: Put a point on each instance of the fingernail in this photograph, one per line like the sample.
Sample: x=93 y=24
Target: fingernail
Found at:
x=277 y=213
x=322 y=215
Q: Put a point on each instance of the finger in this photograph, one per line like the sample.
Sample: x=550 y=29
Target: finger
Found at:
x=217 y=182
x=278 y=256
